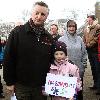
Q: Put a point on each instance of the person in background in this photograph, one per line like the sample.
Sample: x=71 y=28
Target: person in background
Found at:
x=98 y=83
x=1 y=89
x=90 y=38
x=2 y=44
x=27 y=56
x=61 y=65
x=54 y=32
x=98 y=70
x=75 y=49
x=99 y=45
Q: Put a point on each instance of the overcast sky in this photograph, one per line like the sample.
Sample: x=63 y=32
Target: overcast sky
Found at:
x=10 y=10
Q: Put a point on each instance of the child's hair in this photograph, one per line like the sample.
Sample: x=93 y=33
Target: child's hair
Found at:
x=58 y=46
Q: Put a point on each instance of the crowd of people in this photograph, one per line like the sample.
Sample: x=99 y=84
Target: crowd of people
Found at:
x=31 y=52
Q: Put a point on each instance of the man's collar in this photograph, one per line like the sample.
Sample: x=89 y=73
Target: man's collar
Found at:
x=28 y=27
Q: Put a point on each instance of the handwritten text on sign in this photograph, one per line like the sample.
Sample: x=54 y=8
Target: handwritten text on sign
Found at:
x=59 y=85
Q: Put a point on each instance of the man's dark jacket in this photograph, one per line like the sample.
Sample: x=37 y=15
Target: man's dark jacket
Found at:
x=27 y=56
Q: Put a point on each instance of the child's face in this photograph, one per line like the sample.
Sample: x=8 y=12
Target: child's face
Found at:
x=59 y=55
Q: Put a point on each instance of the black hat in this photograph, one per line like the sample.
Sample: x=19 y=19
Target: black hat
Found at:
x=59 y=46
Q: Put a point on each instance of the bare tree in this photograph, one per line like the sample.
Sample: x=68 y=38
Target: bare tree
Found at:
x=25 y=14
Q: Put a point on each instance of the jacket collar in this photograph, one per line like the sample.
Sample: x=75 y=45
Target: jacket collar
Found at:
x=30 y=28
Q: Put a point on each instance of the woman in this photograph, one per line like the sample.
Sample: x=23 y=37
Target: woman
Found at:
x=75 y=48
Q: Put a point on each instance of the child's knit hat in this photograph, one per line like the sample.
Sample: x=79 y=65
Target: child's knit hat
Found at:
x=59 y=46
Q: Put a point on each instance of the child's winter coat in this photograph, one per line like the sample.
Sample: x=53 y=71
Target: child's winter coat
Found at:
x=65 y=68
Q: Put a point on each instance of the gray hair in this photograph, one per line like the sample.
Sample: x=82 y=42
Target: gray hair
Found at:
x=41 y=3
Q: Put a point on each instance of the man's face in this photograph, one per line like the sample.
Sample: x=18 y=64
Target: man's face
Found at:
x=90 y=21
x=39 y=14
x=53 y=30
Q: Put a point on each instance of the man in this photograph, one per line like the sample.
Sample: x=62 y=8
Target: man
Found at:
x=54 y=32
x=90 y=39
x=27 y=56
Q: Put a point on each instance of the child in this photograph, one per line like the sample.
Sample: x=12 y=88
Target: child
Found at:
x=61 y=65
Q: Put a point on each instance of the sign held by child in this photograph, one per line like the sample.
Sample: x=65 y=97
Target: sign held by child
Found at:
x=59 y=85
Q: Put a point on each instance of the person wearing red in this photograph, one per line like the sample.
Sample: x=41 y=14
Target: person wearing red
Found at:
x=99 y=46
x=98 y=83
